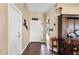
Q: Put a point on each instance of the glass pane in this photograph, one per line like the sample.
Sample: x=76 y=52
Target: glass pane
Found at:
x=70 y=27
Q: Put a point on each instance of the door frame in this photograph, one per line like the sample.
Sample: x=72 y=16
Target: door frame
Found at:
x=14 y=6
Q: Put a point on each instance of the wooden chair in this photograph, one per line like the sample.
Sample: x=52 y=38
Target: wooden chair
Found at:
x=54 y=45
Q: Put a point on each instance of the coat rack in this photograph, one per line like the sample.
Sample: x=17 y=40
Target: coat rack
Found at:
x=25 y=24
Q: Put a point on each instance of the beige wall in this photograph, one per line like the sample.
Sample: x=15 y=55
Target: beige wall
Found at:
x=52 y=15
x=41 y=17
x=4 y=27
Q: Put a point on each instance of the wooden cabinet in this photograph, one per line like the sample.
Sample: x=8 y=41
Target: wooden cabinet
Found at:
x=67 y=23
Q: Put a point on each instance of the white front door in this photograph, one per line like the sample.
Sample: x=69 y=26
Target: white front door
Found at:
x=35 y=31
x=14 y=30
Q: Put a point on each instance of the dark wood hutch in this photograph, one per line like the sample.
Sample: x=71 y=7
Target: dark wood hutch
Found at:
x=68 y=23
x=67 y=44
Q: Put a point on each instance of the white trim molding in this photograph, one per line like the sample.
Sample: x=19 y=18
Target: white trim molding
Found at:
x=24 y=48
x=14 y=6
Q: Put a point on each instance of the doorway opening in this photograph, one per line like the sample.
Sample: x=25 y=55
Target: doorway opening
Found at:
x=35 y=31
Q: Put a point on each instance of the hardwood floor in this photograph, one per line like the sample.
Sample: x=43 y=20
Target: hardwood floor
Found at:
x=37 y=48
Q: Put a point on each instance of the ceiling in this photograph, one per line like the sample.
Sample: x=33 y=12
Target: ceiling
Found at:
x=39 y=7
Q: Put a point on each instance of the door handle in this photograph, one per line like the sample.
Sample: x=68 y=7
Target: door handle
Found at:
x=18 y=35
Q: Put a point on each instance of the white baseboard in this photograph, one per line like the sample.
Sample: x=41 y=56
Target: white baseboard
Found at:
x=25 y=48
x=37 y=41
x=43 y=41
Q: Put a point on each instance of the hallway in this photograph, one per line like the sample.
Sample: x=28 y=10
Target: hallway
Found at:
x=38 y=28
x=37 y=48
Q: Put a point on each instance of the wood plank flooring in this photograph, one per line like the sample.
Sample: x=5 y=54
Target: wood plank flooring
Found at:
x=37 y=48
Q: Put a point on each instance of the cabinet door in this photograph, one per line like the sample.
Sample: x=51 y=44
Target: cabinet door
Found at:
x=64 y=27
